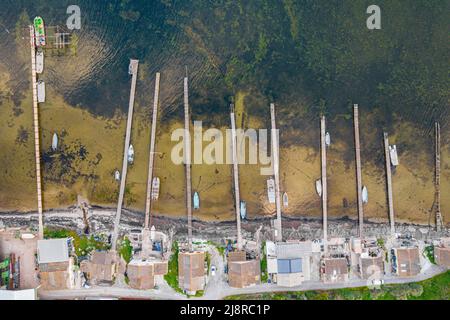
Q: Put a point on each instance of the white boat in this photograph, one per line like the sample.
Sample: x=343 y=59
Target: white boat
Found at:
x=117 y=175
x=41 y=91
x=319 y=187
x=155 y=188
x=130 y=154
x=365 y=195
x=285 y=200
x=54 y=142
x=393 y=155
x=327 y=139
x=243 y=209
x=271 y=190
x=39 y=61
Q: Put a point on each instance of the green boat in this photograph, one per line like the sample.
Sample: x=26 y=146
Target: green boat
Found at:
x=39 y=31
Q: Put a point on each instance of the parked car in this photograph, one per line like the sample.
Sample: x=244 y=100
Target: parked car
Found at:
x=213 y=270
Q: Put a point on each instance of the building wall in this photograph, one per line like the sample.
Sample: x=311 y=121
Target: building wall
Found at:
x=290 y=279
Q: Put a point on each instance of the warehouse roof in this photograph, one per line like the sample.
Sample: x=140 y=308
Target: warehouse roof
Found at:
x=293 y=250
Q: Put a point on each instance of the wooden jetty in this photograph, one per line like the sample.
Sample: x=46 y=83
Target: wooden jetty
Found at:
x=236 y=179
x=134 y=68
x=389 y=183
x=358 y=170
x=437 y=203
x=323 y=149
x=37 y=152
x=275 y=159
x=187 y=161
x=151 y=158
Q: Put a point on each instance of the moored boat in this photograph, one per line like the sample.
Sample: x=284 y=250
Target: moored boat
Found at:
x=319 y=187
x=243 y=209
x=130 y=154
x=271 y=190
x=39 y=61
x=117 y=175
x=393 y=155
x=40 y=91
x=155 y=188
x=196 y=201
x=365 y=195
x=39 y=31
x=327 y=139
x=54 y=142
x=285 y=200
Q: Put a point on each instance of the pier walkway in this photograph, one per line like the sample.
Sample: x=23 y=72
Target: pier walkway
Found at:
x=134 y=67
x=323 y=149
x=187 y=161
x=236 y=179
x=276 y=169
x=389 y=183
x=148 y=201
x=37 y=152
x=358 y=170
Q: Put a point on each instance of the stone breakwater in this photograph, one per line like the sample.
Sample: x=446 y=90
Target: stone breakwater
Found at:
x=101 y=220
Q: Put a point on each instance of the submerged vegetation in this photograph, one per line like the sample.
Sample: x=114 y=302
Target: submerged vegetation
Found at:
x=249 y=52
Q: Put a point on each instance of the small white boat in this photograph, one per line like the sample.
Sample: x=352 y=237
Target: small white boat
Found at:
x=155 y=188
x=393 y=155
x=41 y=91
x=365 y=195
x=271 y=190
x=196 y=201
x=55 y=142
x=285 y=200
x=327 y=139
x=117 y=175
x=319 y=187
x=130 y=154
x=39 y=61
x=243 y=209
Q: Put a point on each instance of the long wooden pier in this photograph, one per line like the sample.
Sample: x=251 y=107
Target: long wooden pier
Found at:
x=389 y=183
x=323 y=149
x=187 y=161
x=148 y=201
x=37 y=152
x=358 y=170
x=134 y=67
x=439 y=221
x=276 y=166
x=236 y=179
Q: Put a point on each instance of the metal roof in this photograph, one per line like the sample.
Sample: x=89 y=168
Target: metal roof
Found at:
x=293 y=250
x=53 y=250
x=289 y=265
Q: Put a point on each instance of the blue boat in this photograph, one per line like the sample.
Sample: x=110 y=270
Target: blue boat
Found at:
x=243 y=209
x=196 y=201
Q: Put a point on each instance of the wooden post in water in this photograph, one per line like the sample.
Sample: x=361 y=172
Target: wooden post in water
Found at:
x=389 y=183
x=439 y=221
x=187 y=161
x=275 y=158
x=236 y=179
x=37 y=152
x=358 y=170
x=324 y=182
